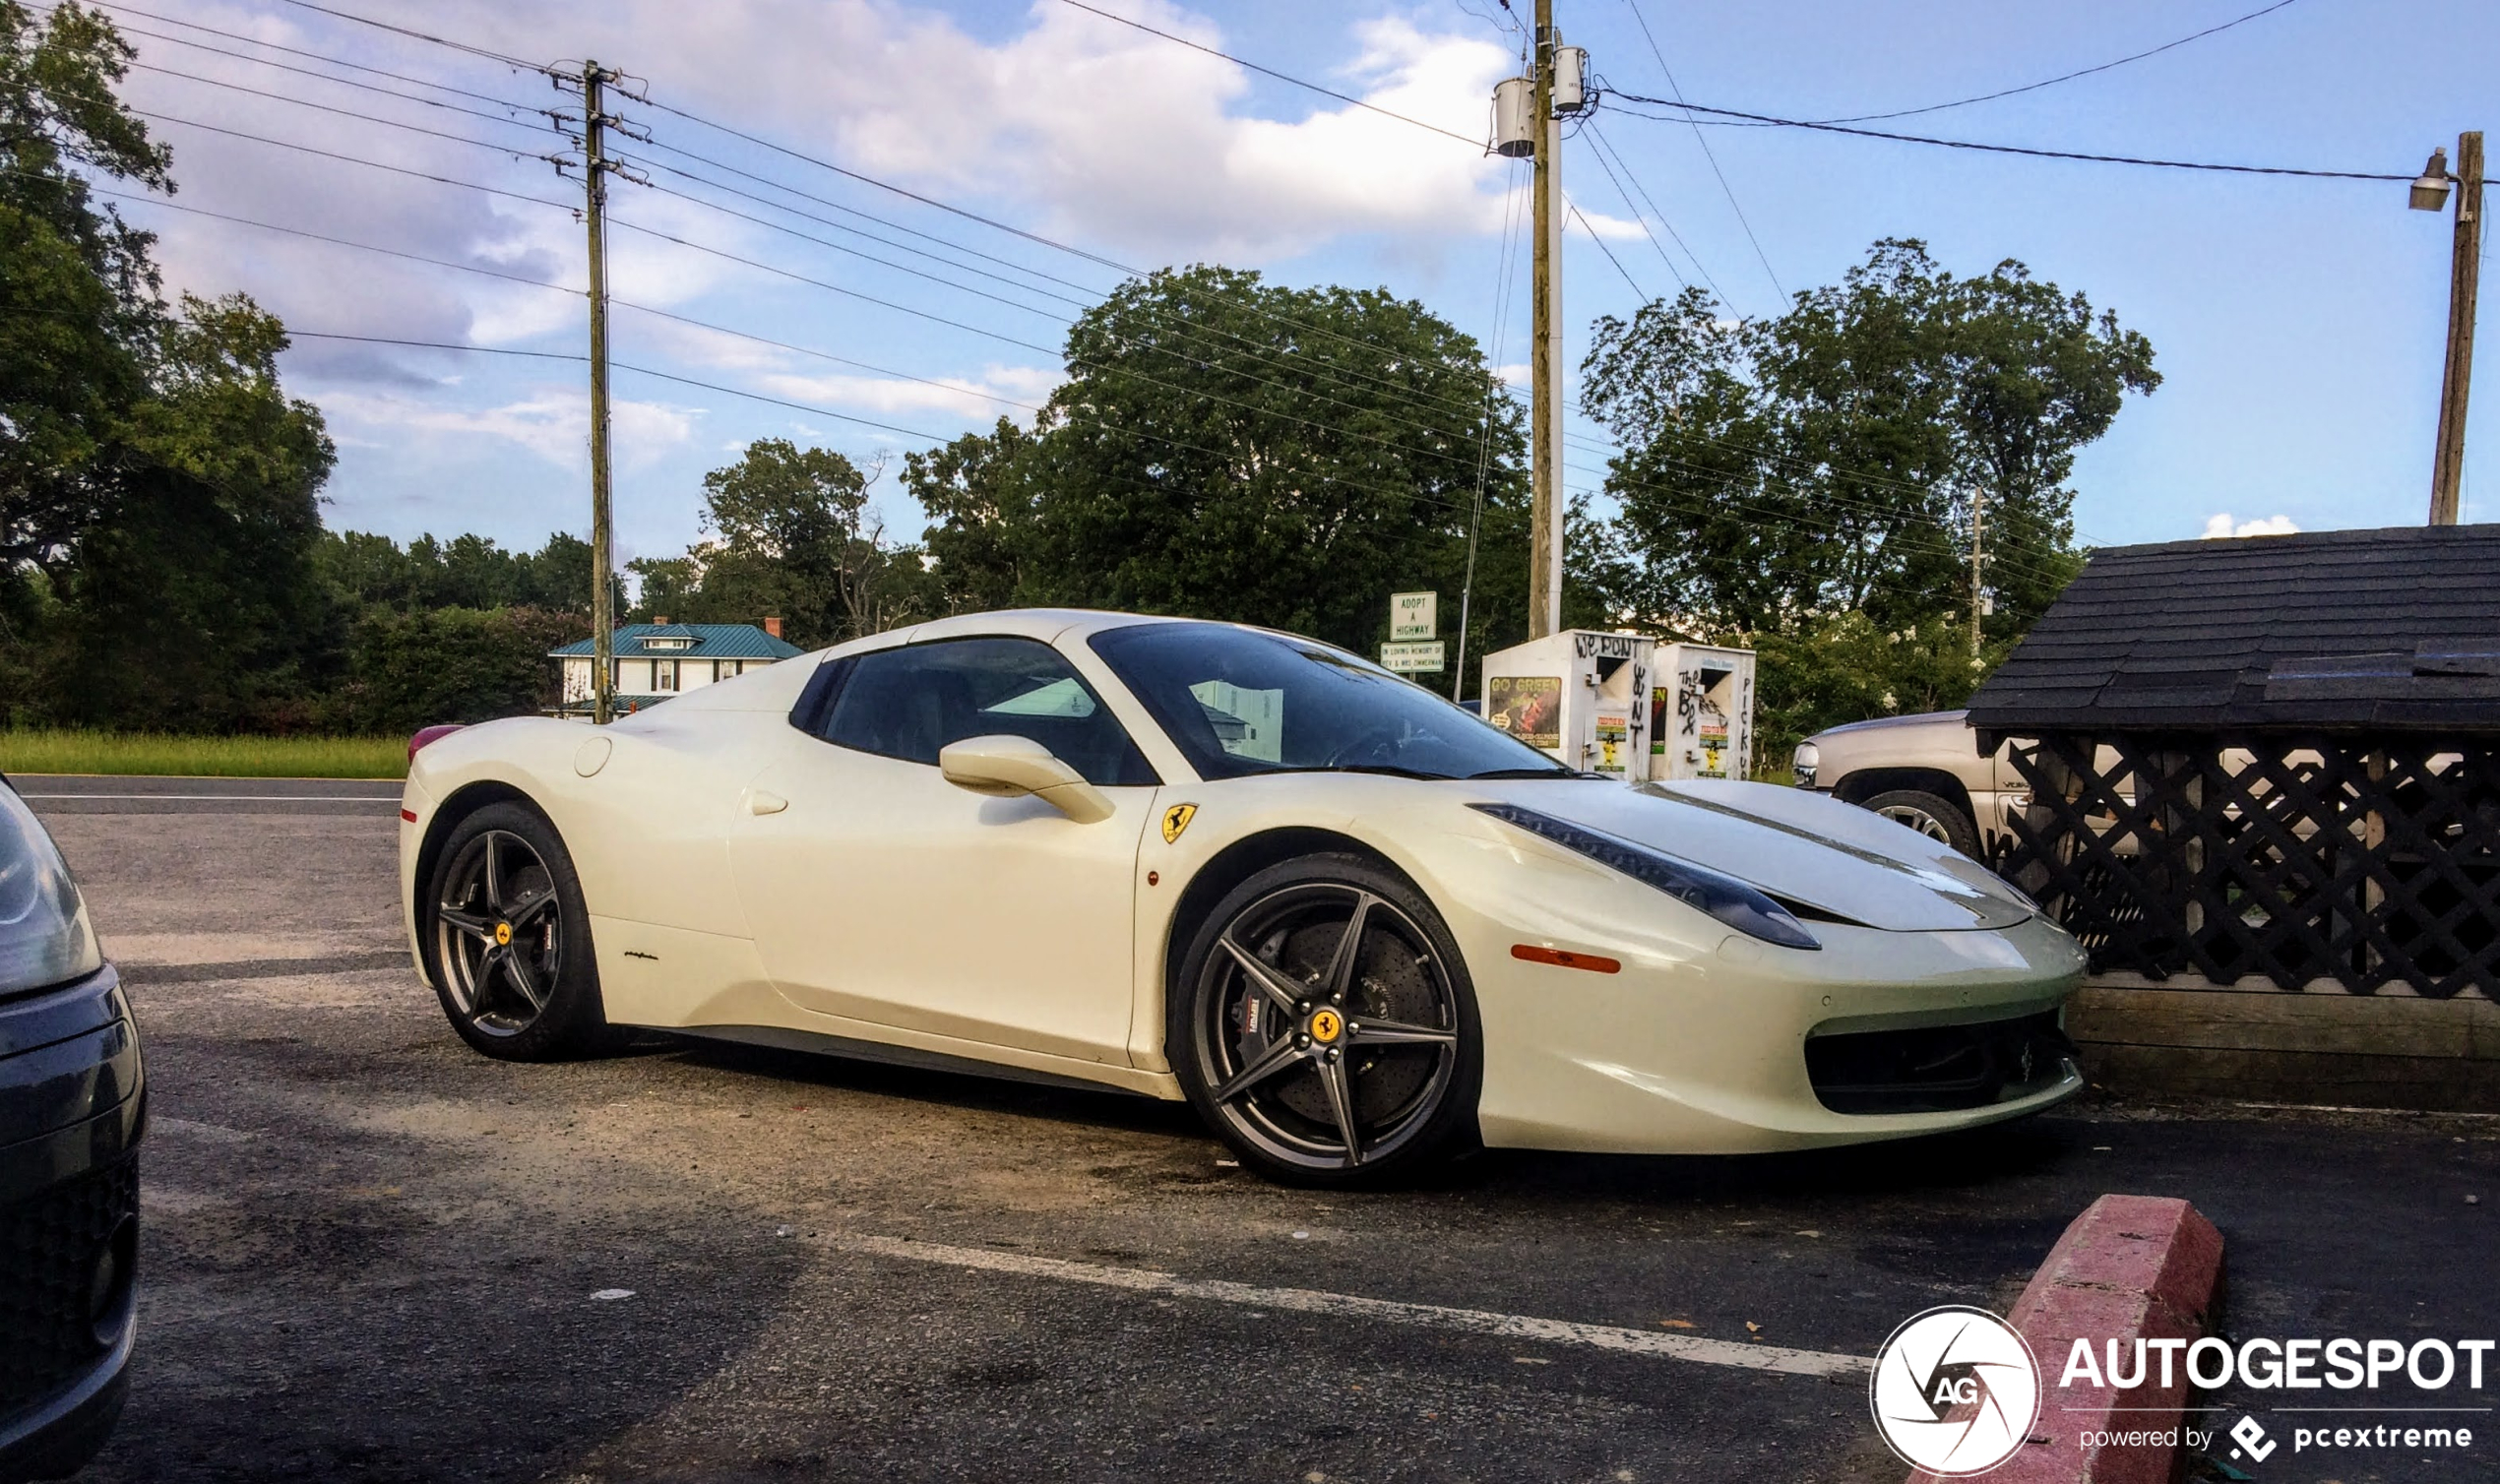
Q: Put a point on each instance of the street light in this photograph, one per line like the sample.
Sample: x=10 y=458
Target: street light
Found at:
x=2430 y=192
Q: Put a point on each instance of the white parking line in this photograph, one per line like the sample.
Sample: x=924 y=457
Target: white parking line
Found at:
x=1708 y=1352
x=259 y=798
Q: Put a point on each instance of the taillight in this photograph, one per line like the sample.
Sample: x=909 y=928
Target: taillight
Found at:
x=429 y=734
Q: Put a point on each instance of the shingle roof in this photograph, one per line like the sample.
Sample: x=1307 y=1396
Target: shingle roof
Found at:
x=2394 y=630
x=710 y=641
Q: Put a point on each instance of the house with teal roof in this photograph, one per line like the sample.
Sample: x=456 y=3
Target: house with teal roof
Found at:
x=659 y=659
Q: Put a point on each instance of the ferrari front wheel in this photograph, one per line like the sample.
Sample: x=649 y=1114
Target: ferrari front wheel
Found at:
x=509 y=940
x=1324 y=1027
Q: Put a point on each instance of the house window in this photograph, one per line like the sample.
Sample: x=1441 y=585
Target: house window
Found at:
x=663 y=674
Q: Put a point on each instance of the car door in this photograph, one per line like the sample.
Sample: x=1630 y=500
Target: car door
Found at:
x=880 y=892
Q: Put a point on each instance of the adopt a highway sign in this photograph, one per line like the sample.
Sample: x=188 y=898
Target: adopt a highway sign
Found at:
x=1414 y=615
x=1417 y=658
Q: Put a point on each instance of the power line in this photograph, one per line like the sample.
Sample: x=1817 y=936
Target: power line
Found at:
x=508 y=116
x=294 y=231
x=1643 y=293
x=1966 y=144
x=357 y=160
x=417 y=36
x=836 y=288
x=363 y=117
x=2081 y=72
x=292 y=51
x=1639 y=215
x=1282 y=77
x=1707 y=152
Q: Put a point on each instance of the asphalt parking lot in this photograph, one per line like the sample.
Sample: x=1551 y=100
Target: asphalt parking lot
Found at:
x=370 y=1253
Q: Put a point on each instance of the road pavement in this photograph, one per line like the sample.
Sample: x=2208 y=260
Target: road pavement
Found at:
x=370 y=1253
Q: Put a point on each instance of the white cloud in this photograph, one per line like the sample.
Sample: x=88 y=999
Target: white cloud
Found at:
x=553 y=423
x=1090 y=128
x=2221 y=525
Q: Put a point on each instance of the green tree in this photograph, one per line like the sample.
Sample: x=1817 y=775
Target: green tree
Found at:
x=412 y=669
x=1228 y=448
x=157 y=488
x=1777 y=472
x=789 y=531
x=194 y=602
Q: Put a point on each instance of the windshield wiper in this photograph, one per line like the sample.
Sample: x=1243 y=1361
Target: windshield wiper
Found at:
x=1386 y=769
x=1556 y=771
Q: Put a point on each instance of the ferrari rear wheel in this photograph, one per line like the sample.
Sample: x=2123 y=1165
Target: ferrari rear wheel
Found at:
x=508 y=942
x=1324 y=1027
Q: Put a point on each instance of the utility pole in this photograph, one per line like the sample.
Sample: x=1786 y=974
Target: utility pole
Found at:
x=1979 y=560
x=1545 y=544
x=602 y=556
x=2463 y=279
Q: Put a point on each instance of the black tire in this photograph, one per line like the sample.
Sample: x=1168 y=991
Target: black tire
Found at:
x=1318 y=1067
x=1932 y=815
x=509 y=948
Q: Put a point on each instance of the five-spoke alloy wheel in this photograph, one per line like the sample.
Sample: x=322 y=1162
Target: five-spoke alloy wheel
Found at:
x=509 y=940
x=1324 y=1023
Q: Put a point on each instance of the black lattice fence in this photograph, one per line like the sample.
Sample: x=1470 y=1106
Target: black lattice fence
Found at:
x=2365 y=860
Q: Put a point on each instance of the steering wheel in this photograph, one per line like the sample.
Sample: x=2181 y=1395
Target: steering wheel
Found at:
x=1379 y=745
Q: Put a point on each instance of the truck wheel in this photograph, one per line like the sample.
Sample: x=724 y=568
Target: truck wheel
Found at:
x=1935 y=817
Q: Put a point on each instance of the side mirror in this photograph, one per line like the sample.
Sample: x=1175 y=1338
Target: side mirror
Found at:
x=1010 y=767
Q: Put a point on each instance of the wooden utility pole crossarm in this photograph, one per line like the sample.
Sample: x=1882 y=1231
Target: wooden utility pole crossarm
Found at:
x=2449 y=467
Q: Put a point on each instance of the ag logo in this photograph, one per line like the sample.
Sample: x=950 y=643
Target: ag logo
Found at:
x=1955 y=1391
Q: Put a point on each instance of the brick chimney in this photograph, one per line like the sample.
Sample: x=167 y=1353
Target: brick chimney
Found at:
x=773 y=626
x=660 y=618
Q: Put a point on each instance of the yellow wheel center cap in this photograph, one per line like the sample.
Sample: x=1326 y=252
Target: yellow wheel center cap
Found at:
x=503 y=935
x=1327 y=1025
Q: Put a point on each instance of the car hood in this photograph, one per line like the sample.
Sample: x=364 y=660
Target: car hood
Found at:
x=1834 y=858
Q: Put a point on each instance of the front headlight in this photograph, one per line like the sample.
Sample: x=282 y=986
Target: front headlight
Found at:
x=1808 y=758
x=44 y=937
x=1724 y=897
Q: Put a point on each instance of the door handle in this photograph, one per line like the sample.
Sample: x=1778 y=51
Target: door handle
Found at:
x=761 y=802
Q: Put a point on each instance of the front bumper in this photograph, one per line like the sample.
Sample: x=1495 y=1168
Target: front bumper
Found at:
x=1697 y=1044
x=73 y=1109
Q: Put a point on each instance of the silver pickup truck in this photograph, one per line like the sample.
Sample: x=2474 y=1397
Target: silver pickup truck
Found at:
x=1924 y=771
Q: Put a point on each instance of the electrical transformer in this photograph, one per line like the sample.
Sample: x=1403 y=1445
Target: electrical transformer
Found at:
x=1624 y=706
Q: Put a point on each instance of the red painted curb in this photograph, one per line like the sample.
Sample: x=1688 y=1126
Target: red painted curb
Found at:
x=2130 y=1268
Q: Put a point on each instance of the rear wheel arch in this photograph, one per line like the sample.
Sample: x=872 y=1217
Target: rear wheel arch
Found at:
x=462 y=802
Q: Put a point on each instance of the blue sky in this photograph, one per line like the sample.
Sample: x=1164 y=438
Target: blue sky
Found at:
x=2298 y=324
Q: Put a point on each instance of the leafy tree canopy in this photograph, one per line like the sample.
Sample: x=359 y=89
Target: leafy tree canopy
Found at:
x=1779 y=471
x=1229 y=449
x=790 y=533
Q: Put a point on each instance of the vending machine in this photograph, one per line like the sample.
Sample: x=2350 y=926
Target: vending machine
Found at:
x=1583 y=694
x=1625 y=705
x=1700 y=713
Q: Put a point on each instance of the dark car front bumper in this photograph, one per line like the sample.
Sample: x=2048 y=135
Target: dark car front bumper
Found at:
x=73 y=1108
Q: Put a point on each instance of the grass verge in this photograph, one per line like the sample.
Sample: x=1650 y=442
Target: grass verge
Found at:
x=163 y=755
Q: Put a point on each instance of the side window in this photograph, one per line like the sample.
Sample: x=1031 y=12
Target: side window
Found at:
x=911 y=702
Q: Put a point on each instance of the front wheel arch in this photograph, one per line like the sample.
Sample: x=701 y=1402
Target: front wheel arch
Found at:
x=1238 y=862
x=1440 y=1121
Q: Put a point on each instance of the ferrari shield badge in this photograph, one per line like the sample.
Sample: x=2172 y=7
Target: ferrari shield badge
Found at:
x=1175 y=820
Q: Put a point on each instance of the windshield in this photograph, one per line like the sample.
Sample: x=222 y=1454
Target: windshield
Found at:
x=1238 y=702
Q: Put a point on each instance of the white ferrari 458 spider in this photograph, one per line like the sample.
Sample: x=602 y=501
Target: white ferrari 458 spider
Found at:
x=1354 y=925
